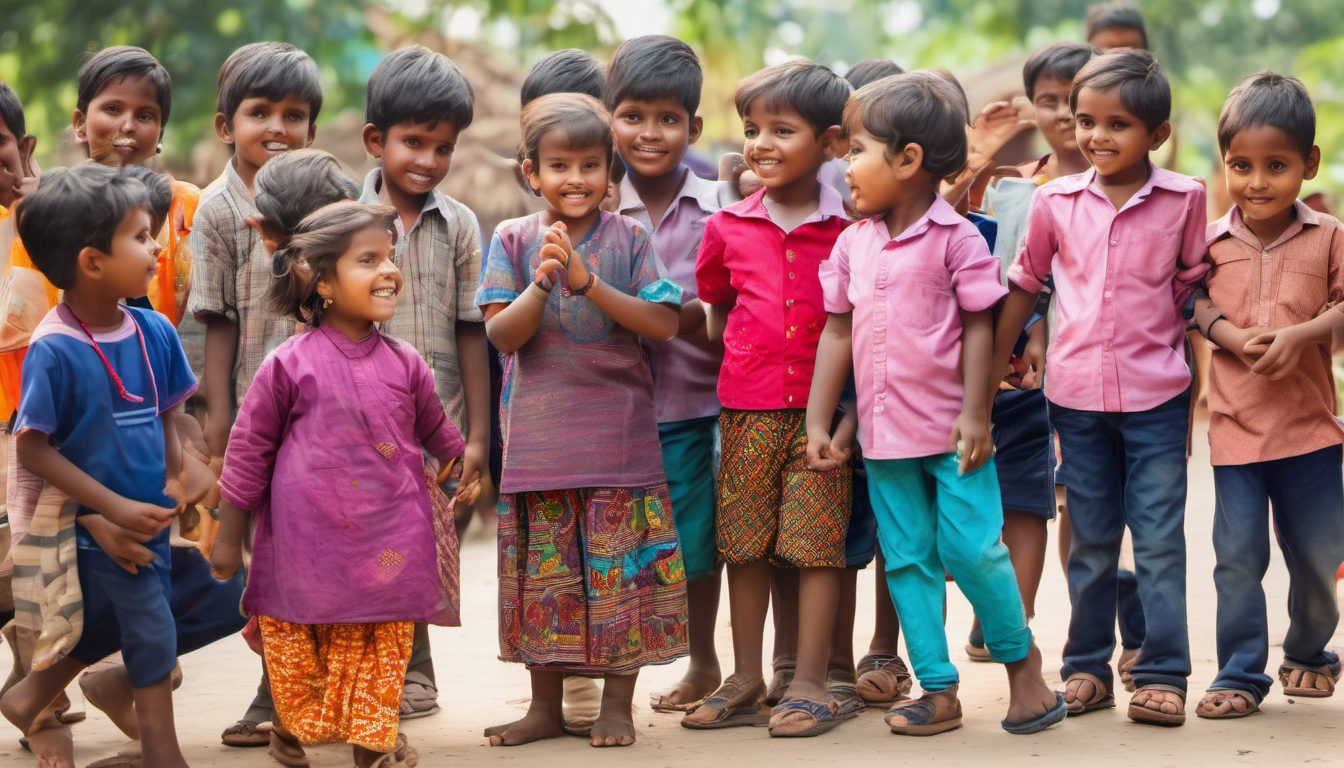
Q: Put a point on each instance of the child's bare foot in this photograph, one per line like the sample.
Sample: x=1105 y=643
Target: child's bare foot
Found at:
x=129 y=756
x=46 y=737
x=686 y=693
x=1029 y=698
x=402 y=755
x=784 y=668
x=616 y=731
x=109 y=690
x=286 y=749
x=536 y=725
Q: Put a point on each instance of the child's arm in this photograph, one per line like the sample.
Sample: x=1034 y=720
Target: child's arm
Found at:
x=835 y=352
x=648 y=319
x=509 y=326
x=124 y=546
x=221 y=350
x=716 y=320
x=172 y=455
x=691 y=318
x=970 y=433
x=227 y=554
x=1013 y=315
x=474 y=368
x=1276 y=353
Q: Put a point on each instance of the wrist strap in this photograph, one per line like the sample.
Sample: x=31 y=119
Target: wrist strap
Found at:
x=1209 y=328
x=588 y=286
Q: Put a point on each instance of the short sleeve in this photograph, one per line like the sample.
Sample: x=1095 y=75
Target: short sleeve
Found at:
x=713 y=281
x=649 y=280
x=499 y=275
x=834 y=275
x=1191 y=265
x=975 y=273
x=1335 y=265
x=44 y=384
x=1039 y=244
x=467 y=258
x=433 y=429
x=254 y=441
x=214 y=267
x=172 y=373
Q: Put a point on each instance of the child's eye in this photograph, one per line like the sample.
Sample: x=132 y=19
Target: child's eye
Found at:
x=257 y=114
x=750 y=133
x=1119 y=125
x=590 y=166
x=783 y=131
x=1277 y=166
x=147 y=117
x=111 y=109
x=445 y=150
x=670 y=119
x=297 y=117
x=412 y=142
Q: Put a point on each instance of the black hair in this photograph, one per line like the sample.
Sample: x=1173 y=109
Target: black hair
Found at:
x=1060 y=60
x=11 y=111
x=269 y=71
x=923 y=107
x=417 y=85
x=73 y=209
x=870 y=70
x=311 y=254
x=122 y=61
x=581 y=118
x=159 y=187
x=1114 y=15
x=808 y=88
x=294 y=184
x=1268 y=98
x=565 y=71
x=1136 y=76
x=654 y=67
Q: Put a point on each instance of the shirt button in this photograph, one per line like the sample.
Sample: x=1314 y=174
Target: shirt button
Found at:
x=1108 y=294
x=790 y=398
x=354 y=483
x=788 y=302
x=790 y=255
x=790 y=369
x=791 y=275
x=1113 y=242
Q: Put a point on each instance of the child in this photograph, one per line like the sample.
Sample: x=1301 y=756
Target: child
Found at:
x=98 y=379
x=1278 y=274
x=1124 y=243
x=339 y=404
x=916 y=282
x=591 y=578
x=653 y=91
x=757 y=272
x=565 y=71
x=16 y=149
x=1114 y=25
x=419 y=102
x=18 y=174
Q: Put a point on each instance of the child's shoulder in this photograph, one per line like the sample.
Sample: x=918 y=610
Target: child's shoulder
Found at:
x=456 y=213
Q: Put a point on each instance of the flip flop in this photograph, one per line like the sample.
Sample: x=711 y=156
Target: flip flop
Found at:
x=246 y=733
x=1328 y=676
x=1036 y=725
x=1148 y=716
x=843 y=687
x=287 y=752
x=975 y=645
x=1217 y=704
x=824 y=716
x=402 y=756
x=887 y=675
x=737 y=702
x=658 y=701
x=784 y=668
x=1102 y=698
x=933 y=713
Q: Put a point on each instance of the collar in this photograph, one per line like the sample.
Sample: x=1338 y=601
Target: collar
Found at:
x=351 y=349
x=373 y=184
x=828 y=204
x=1231 y=225
x=234 y=182
x=1157 y=177
x=703 y=192
x=940 y=213
x=61 y=321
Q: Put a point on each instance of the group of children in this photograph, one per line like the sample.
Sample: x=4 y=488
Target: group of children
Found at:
x=688 y=377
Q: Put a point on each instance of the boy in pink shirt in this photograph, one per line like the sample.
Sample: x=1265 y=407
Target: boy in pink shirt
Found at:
x=1124 y=242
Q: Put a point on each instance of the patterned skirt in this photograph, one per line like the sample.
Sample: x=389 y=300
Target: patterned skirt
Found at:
x=591 y=580
x=338 y=682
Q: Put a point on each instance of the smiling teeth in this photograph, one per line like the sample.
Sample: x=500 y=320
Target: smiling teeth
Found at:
x=656 y=150
x=276 y=146
x=385 y=293
x=123 y=143
x=418 y=178
x=575 y=195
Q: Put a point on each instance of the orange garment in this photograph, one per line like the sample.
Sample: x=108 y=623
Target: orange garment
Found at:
x=338 y=682
x=171 y=284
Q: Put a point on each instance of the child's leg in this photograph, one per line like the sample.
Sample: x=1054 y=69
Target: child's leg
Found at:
x=543 y=719
x=784 y=613
x=615 y=726
x=1025 y=536
x=842 y=631
x=1241 y=548
x=818 y=594
x=23 y=705
x=158 y=735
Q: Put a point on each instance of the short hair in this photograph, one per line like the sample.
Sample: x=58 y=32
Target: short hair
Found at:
x=1135 y=74
x=1059 y=60
x=654 y=67
x=11 y=111
x=73 y=209
x=870 y=70
x=159 y=187
x=568 y=70
x=294 y=184
x=580 y=117
x=1114 y=15
x=417 y=85
x=319 y=242
x=122 y=61
x=808 y=88
x=923 y=107
x=1268 y=98
x=269 y=71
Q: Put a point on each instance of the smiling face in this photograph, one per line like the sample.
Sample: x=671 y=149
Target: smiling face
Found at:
x=573 y=181
x=16 y=154
x=1265 y=170
x=781 y=148
x=652 y=136
x=364 y=283
x=415 y=156
x=262 y=128
x=132 y=259
x=1113 y=139
x=123 y=124
x=1050 y=97
x=872 y=180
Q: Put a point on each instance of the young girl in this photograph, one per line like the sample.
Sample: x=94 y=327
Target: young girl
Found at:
x=327 y=450
x=591 y=580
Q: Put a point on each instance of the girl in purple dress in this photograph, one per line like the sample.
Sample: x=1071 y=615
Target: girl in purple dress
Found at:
x=590 y=577
x=327 y=452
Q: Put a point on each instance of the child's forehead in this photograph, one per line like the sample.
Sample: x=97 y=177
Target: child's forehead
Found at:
x=1100 y=100
x=660 y=103
x=293 y=98
x=127 y=85
x=1262 y=138
x=1050 y=81
x=764 y=107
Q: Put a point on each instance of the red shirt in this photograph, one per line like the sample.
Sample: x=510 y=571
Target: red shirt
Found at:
x=768 y=278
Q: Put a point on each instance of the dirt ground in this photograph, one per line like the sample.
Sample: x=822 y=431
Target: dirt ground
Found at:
x=476 y=690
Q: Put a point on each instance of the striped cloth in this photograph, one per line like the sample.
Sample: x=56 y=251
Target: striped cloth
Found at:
x=48 y=603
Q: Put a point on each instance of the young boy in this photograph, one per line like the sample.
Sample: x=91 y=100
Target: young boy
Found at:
x=419 y=102
x=1278 y=278
x=17 y=172
x=98 y=380
x=757 y=272
x=1124 y=242
x=653 y=92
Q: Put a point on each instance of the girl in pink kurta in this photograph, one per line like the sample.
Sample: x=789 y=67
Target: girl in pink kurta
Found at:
x=327 y=452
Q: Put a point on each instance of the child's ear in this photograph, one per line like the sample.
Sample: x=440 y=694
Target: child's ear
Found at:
x=906 y=163
x=222 y=129
x=270 y=237
x=1313 y=163
x=533 y=180
x=373 y=141
x=1161 y=135
x=77 y=122
x=89 y=261
x=312 y=133
x=831 y=143
x=697 y=127
x=27 y=145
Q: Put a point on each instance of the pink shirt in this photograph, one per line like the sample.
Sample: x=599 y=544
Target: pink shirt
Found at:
x=1120 y=279
x=906 y=294
x=685 y=369
x=769 y=279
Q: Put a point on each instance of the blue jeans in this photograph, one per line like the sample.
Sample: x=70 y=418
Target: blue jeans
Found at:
x=930 y=521
x=1307 y=496
x=1126 y=469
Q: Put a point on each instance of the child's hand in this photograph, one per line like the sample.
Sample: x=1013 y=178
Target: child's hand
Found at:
x=1276 y=353
x=142 y=518
x=475 y=465
x=558 y=235
x=971 y=440
x=825 y=453
x=124 y=546
x=175 y=489
x=554 y=259
x=225 y=560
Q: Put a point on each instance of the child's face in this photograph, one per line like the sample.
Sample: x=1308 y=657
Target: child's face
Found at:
x=263 y=129
x=873 y=183
x=1112 y=139
x=128 y=267
x=1050 y=97
x=573 y=181
x=652 y=136
x=1265 y=171
x=782 y=147
x=124 y=123
x=16 y=155
x=415 y=156
x=1116 y=38
x=365 y=282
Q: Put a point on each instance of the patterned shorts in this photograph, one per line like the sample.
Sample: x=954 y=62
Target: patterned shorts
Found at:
x=770 y=504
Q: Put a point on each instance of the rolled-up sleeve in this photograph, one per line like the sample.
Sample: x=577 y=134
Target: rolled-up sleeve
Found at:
x=1039 y=244
x=834 y=276
x=1191 y=264
x=975 y=274
x=713 y=281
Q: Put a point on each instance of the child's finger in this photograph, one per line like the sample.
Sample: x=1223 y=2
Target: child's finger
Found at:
x=554 y=250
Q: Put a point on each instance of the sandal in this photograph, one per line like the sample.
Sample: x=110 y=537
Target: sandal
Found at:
x=419 y=697
x=402 y=755
x=883 y=679
x=934 y=712
x=287 y=751
x=737 y=702
x=844 y=688
x=784 y=668
x=824 y=717
x=1221 y=704
x=1038 y=724
x=975 y=645
x=1101 y=697
x=246 y=733
x=1292 y=674
x=660 y=701
x=1140 y=712
x=1124 y=667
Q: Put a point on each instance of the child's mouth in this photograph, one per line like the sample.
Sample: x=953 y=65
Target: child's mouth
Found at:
x=418 y=178
x=275 y=146
x=385 y=293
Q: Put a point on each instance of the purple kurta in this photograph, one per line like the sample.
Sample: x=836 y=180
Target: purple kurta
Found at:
x=326 y=451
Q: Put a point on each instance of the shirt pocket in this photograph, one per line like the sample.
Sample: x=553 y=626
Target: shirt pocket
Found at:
x=922 y=299
x=1303 y=288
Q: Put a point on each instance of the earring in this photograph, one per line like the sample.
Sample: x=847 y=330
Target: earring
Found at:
x=326 y=302
x=159 y=149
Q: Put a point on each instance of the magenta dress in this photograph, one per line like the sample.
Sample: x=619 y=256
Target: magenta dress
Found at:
x=327 y=453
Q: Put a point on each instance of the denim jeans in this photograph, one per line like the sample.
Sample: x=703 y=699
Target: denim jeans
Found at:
x=1306 y=494
x=1126 y=469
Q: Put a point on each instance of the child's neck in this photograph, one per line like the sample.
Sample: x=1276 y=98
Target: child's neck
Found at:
x=247 y=173
x=578 y=228
x=408 y=206
x=98 y=312
x=1269 y=230
x=905 y=213
x=1120 y=186
x=355 y=329
x=1065 y=164
x=657 y=192
x=791 y=204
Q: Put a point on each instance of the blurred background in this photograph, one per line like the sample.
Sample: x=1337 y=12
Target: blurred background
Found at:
x=1205 y=46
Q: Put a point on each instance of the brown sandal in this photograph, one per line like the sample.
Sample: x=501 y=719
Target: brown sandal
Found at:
x=934 y=712
x=1292 y=673
x=883 y=679
x=737 y=703
x=1140 y=712
x=1101 y=697
x=1221 y=704
x=402 y=755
